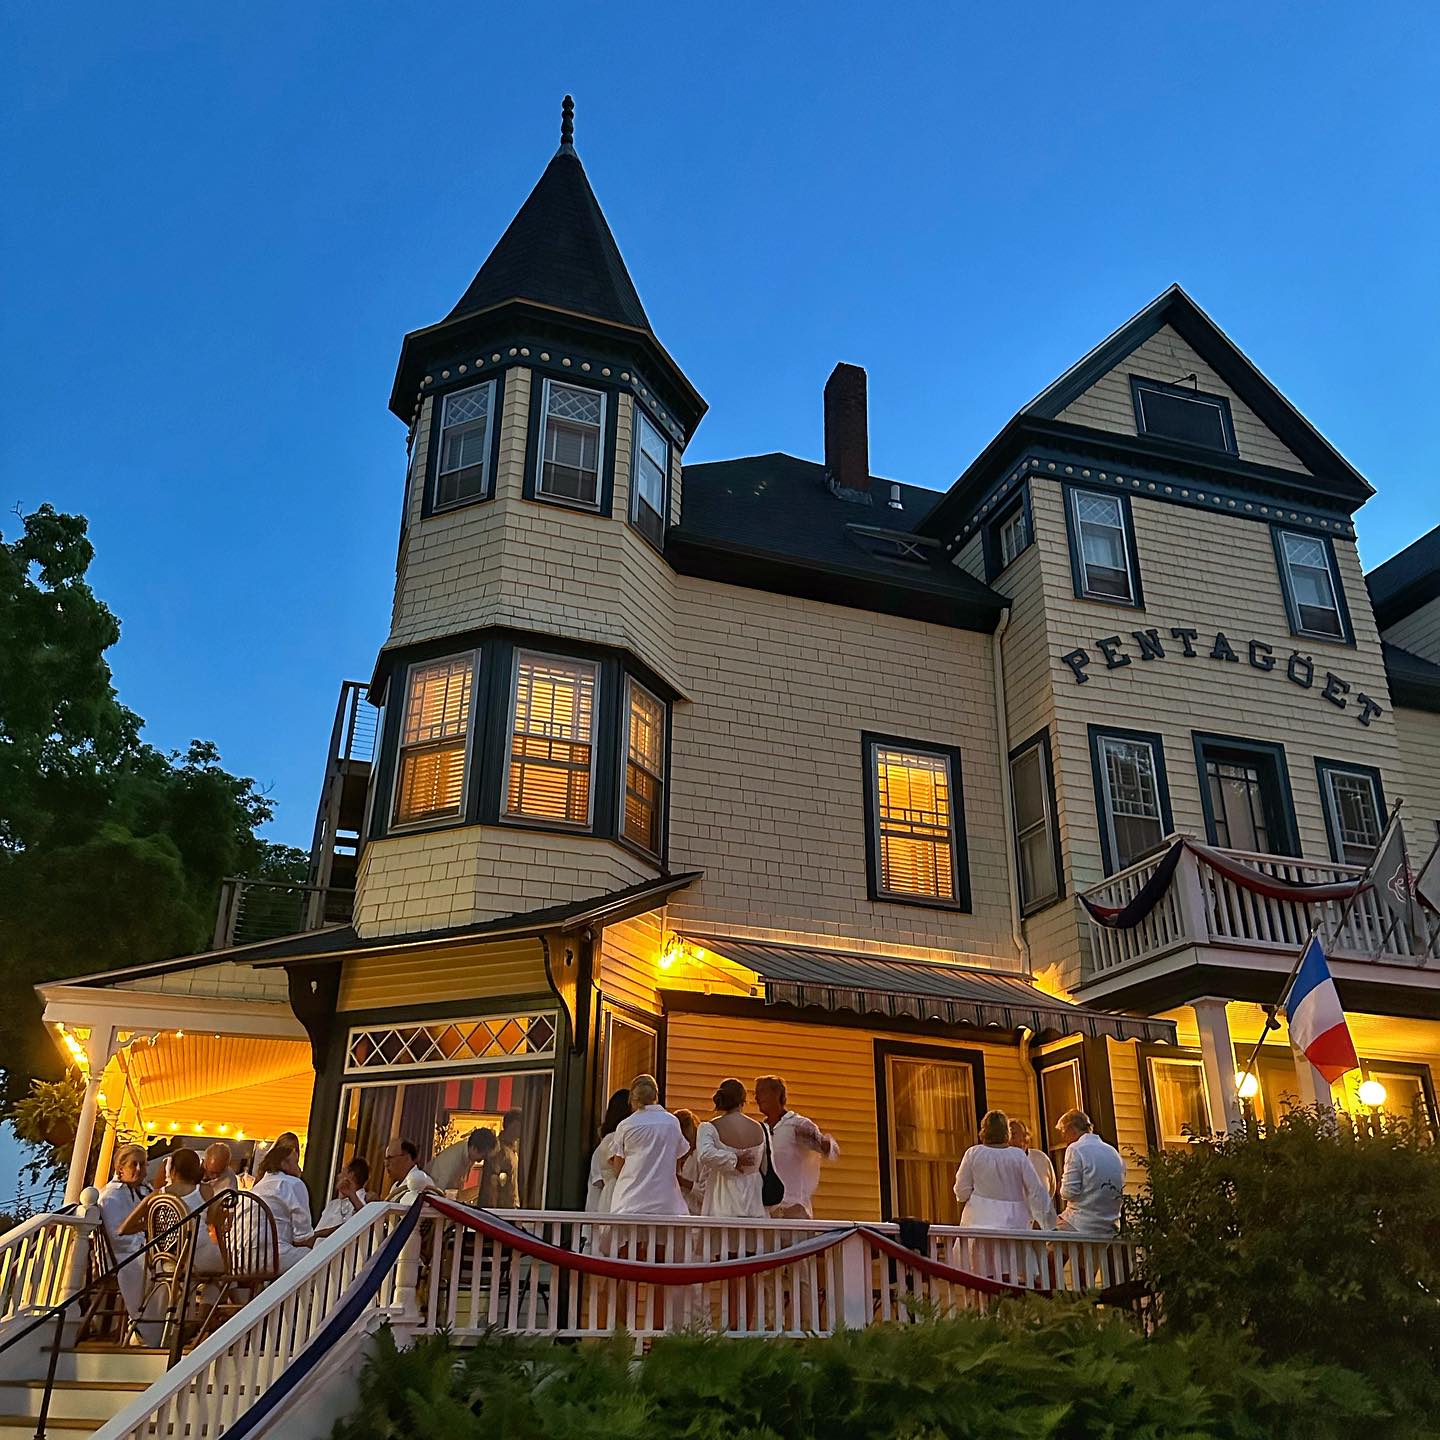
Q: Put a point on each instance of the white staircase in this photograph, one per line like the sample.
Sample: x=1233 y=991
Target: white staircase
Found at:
x=91 y=1385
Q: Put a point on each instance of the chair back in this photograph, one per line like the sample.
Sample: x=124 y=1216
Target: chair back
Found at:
x=165 y=1212
x=248 y=1238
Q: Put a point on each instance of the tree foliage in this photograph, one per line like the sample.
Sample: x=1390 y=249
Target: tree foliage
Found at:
x=111 y=851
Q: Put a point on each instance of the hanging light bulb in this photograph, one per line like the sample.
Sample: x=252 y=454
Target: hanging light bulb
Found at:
x=1372 y=1093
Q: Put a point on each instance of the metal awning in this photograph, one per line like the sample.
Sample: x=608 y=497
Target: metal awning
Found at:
x=954 y=994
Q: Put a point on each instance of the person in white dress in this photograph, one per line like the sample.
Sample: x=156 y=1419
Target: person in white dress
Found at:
x=692 y=1182
x=602 y=1173
x=1000 y=1190
x=1044 y=1169
x=287 y=1199
x=798 y=1148
x=731 y=1151
x=118 y=1199
x=648 y=1142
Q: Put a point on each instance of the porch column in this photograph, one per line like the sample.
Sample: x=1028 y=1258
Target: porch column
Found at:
x=1217 y=1053
x=1314 y=1088
x=97 y=1053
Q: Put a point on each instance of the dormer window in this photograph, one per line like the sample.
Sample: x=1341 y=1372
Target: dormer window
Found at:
x=651 y=479
x=464 y=469
x=1176 y=412
x=571 y=445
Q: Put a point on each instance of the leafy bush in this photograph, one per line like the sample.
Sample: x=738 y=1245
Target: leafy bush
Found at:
x=1320 y=1241
x=1050 y=1370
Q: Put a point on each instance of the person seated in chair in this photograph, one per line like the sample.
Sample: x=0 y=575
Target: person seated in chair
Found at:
x=350 y=1196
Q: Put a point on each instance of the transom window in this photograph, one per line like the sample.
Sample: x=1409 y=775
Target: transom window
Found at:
x=651 y=478
x=914 y=842
x=1128 y=780
x=574 y=429
x=1102 y=541
x=1178 y=1102
x=434 y=735
x=552 y=740
x=489 y=1038
x=1030 y=792
x=1354 y=813
x=644 y=767
x=463 y=471
x=1312 y=589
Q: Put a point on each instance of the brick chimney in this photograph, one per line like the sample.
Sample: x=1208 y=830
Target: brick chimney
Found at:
x=847 y=433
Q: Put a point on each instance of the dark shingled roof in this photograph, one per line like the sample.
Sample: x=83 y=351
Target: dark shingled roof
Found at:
x=558 y=251
x=772 y=521
x=1406 y=580
x=1414 y=681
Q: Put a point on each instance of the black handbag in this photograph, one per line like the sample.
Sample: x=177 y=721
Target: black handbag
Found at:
x=772 y=1187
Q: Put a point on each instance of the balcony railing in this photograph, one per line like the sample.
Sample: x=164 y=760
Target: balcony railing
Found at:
x=1204 y=907
x=254 y=910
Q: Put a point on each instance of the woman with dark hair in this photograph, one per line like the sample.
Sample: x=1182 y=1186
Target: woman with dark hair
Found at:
x=602 y=1172
x=287 y=1199
x=731 y=1151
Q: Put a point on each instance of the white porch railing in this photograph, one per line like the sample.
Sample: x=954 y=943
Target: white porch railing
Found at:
x=43 y=1261
x=1204 y=907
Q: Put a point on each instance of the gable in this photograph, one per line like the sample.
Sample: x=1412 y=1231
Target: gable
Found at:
x=1166 y=356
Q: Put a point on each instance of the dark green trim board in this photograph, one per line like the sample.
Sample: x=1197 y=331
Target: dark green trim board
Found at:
x=1162 y=783
x=1279 y=798
x=868 y=743
x=1077 y=565
x=1292 y=608
x=1323 y=768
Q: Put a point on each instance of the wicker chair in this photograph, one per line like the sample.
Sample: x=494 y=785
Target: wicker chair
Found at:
x=168 y=1261
x=105 y=1317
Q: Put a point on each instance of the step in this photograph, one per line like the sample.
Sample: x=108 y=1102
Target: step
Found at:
x=25 y=1425
x=91 y=1401
x=131 y=1362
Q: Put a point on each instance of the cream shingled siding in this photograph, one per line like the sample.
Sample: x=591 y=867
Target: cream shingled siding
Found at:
x=972 y=556
x=223 y=979
x=829 y=1072
x=471 y=972
x=1417 y=779
x=460 y=876
x=1419 y=632
x=1108 y=405
x=767 y=784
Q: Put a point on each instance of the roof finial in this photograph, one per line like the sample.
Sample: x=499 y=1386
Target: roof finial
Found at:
x=567 y=123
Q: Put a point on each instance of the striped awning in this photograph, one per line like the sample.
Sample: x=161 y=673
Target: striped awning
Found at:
x=953 y=994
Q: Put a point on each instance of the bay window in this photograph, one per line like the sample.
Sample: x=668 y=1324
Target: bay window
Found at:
x=571 y=444
x=434 y=740
x=463 y=469
x=644 y=797
x=552 y=740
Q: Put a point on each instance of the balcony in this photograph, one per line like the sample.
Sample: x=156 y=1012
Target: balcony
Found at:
x=1208 y=922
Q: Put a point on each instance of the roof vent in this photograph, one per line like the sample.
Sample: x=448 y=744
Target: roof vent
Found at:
x=896 y=503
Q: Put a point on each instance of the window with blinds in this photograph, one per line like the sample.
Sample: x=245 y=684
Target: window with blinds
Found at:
x=552 y=740
x=644 y=768
x=430 y=776
x=914 y=839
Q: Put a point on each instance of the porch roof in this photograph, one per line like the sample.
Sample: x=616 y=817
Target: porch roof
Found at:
x=954 y=994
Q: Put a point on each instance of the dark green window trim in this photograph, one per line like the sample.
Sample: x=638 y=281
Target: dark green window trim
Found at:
x=1151 y=738
x=1323 y=769
x=1292 y=608
x=1282 y=817
x=1077 y=564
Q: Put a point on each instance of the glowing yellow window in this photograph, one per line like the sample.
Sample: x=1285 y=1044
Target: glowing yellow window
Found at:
x=552 y=739
x=914 y=824
x=430 y=781
x=644 y=767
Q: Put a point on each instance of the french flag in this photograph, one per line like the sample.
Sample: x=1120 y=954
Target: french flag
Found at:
x=1317 y=1023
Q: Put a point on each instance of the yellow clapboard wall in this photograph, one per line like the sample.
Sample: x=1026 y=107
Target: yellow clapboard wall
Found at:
x=629 y=966
x=421 y=977
x=829 y=1072
x=1124 y=1056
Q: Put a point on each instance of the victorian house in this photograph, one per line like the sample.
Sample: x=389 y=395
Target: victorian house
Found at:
x=771 y=765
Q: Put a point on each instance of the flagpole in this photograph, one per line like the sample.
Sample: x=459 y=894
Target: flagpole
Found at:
x=1360 y=886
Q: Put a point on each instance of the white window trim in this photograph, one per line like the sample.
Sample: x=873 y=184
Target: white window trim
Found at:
x=1125 y=543
x=1332 y=805
x=1340 y=635
x=541 y=493
x=486 y=479
x=664 y=777
x=641 y=418
x=394 y=826
x=1111 y=846
x=913 y=897
x=1046 y=823
x=507 y=817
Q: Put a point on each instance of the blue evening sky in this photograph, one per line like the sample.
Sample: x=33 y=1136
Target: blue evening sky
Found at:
x=219 y=220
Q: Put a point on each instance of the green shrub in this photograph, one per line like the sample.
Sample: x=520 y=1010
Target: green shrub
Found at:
x=1042 y=1369
x=1319 y=1242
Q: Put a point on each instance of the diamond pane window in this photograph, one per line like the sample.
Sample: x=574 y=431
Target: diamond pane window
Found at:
x=644 y=767
x=552 y=739
x=1103 y=546
x=652 y=466
x=915 y=823
x=463 y=471
x=430 y=776
x=1311 y=585
x=571 y=445
x=491 y=1039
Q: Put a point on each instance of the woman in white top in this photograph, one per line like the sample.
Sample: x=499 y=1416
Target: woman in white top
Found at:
x=117 y=1200
x=731 y=1151
x=602 y=1172
x=1000 y=1190
x=287 y=1199
x=1044 y=1169
x=687 y=1170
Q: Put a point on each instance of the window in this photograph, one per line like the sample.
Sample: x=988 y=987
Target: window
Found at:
x=1408 y=1093
x=1061 y=1089
x=650 y=480
x=630 y=1050
x=1131 y=797
x=1103 y=547
x=915 y=840
x=932 y=1102
x=1354 y=810
x=1308 y=576
x=1277 y=1089
x=643 y=819
x=552 y=740
x=1245 y=794
x=430 y=776
x=1032 y=793
x=1008 y=534
x=1178 y=1105
x=1176 y=412
x=571 y=444
x=463 y=470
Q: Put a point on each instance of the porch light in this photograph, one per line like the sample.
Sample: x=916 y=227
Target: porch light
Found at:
x=1372 y=1093
x=1247 y=1084
x=672 y=950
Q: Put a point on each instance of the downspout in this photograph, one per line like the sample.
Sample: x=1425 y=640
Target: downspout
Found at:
x=1007 y=805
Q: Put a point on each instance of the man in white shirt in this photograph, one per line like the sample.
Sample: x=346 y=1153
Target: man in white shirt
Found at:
x=648 y=1143
x=797 y=1150
x=407 y=1179
x=1093 y=1184
x=219 y=1173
